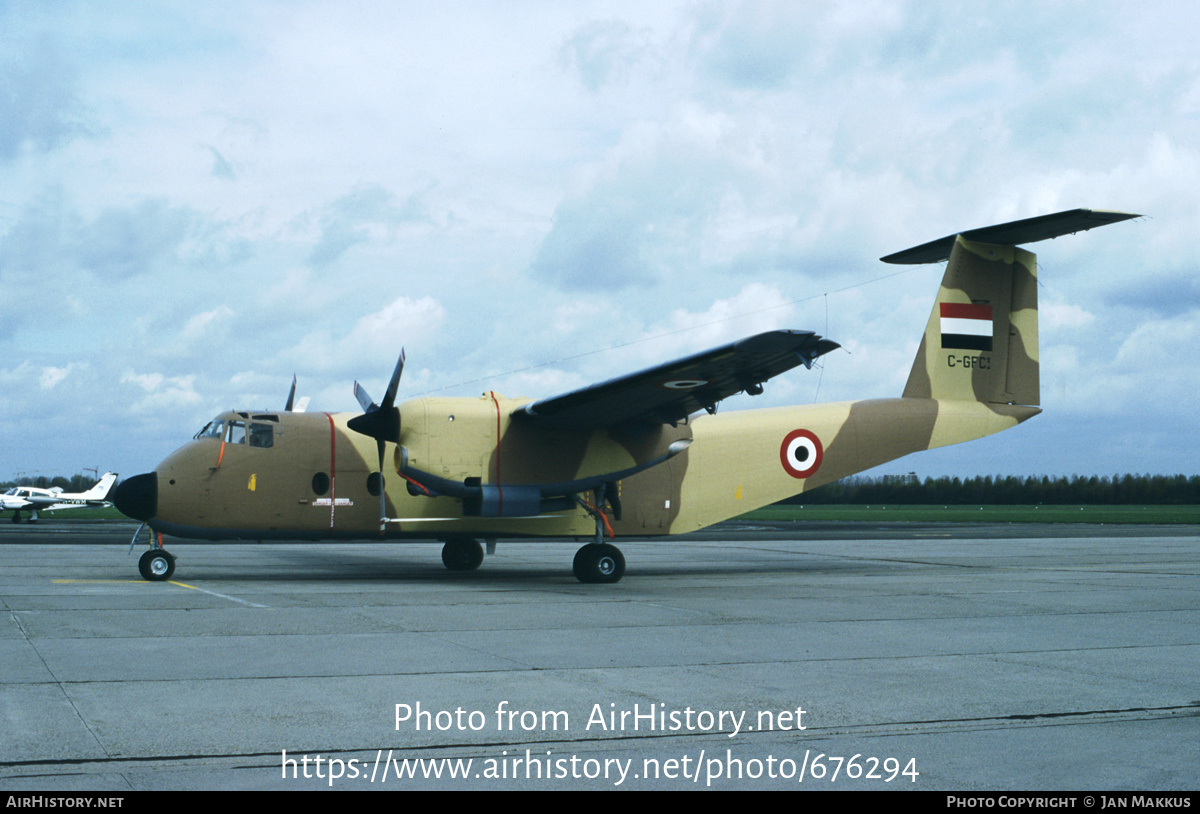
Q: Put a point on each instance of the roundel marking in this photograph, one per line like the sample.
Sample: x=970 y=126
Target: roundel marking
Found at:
x=684 y=384
x=801 y=453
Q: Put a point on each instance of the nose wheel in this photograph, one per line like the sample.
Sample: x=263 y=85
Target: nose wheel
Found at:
x=156 y=565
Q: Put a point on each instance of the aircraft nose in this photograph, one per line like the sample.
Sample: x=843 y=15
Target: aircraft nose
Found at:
x=137 y=497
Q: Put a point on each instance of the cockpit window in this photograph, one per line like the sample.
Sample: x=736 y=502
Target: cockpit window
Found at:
x=262 y=435
x=257 y=433
x=237 y=432
x=213 y=429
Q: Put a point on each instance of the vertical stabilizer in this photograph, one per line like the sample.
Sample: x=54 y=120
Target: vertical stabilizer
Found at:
x=102 y=488
x=981 y=341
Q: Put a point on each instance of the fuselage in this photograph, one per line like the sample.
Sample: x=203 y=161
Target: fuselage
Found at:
x=20 y=497
x=263 y=475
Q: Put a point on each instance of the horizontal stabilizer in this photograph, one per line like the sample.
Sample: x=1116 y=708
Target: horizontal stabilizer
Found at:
x=1016 y=233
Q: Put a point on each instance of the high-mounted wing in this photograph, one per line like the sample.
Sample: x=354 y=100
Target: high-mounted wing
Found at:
x=1016 y=233
x=669 y=393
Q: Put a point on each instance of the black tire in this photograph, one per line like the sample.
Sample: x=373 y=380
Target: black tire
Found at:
x=603 y=563
x=156 y=565
x=462 y=554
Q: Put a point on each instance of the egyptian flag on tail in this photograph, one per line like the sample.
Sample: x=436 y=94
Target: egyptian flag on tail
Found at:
x=966 y=326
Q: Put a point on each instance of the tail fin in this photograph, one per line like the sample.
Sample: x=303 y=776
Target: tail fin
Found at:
x=100 y=491
x=981 y=341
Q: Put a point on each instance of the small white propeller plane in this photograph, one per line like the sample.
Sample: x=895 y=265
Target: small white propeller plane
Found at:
x=644 y=454
x=33 y=499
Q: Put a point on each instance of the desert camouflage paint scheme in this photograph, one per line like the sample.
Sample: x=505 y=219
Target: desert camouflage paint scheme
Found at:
x=644 y=455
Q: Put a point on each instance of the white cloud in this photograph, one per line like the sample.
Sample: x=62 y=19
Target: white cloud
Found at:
x=162 y=392
x=198 y=325
x=1051 y=316
x=51 y=377
x=401 y=318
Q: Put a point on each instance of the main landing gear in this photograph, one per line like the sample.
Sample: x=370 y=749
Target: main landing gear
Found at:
x=599 y=562
x=462 y=554
x=595 y=563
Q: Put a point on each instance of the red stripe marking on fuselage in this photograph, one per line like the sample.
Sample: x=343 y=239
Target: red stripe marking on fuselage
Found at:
x=332 y=469
x=499 y=488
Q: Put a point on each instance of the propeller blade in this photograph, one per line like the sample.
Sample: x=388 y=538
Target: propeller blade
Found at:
x=382 y=491
x=360 y=393
x=291 y=396
x=389 y=398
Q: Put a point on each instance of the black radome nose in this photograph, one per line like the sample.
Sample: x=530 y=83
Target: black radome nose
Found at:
x=137 y=497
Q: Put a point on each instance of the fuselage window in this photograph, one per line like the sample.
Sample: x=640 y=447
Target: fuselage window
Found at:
x=320 y=483
x=262 y=435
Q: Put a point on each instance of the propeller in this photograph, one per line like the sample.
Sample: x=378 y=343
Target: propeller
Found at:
x=292 y=404
x=381 y=422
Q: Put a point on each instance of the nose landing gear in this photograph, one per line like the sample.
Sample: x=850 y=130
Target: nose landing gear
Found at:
x=157 y=564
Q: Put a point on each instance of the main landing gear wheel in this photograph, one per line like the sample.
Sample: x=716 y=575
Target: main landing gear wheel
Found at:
x=462 y=555
x=601 y=562
x=156 y=565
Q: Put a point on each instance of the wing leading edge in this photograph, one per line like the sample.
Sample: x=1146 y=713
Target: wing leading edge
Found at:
x=669 y=393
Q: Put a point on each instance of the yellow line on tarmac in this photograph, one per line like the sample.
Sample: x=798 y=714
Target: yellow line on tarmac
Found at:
x=106 y=581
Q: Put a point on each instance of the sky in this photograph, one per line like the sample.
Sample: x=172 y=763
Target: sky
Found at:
x=200 y=200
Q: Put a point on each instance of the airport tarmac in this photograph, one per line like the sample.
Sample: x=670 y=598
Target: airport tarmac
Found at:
x=831 y=656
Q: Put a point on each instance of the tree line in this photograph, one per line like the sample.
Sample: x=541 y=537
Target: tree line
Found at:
x=1009 y=490
x=75 y=483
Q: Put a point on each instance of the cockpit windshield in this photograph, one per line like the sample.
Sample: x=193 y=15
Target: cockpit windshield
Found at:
x=256 y=433
x=213 y=429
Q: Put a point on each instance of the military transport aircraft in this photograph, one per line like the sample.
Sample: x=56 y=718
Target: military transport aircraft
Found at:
x=33 y=498
x=644 y=454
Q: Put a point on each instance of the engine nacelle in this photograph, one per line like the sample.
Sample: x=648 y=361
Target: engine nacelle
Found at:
x=502 y=501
